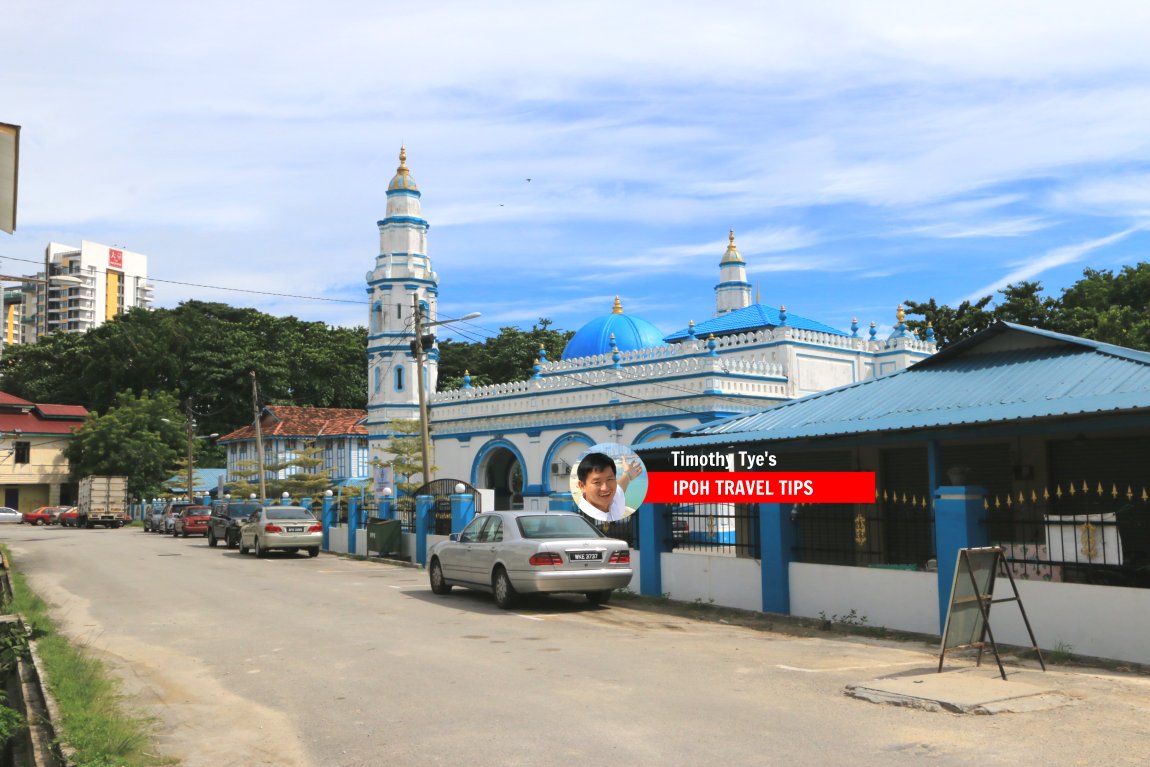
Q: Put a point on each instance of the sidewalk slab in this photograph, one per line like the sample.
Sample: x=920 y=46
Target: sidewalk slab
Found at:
x=964 y=691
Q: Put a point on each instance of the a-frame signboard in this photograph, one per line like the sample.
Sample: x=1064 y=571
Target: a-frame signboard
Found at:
x=971 y=596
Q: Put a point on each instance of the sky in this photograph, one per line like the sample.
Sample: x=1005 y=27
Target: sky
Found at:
x=864 y=154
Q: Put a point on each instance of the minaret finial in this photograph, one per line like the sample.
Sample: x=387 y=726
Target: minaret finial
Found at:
x=402 y=160
x=618 y=308
x=900 y=315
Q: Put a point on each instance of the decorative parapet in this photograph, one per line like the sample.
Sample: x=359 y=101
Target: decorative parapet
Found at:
x=556 y=376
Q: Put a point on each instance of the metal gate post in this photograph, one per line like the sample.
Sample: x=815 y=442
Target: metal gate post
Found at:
x=352 y=524
x=424 y=523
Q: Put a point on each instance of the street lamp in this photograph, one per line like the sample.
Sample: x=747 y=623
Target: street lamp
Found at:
x=417 y=351
x=190 y=433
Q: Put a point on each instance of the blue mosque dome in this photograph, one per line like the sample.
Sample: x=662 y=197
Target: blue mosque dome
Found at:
x=629 y=333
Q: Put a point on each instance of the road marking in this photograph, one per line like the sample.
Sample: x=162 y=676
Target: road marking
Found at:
x=528 y=617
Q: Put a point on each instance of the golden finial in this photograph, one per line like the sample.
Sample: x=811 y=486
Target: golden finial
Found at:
x=732 y=253
x=540 y=347
x=402 y=160
x=618 y=309
x=900 y=314
x=466 y=372
x=782 y=308
x=929 y=324
x=691 y=323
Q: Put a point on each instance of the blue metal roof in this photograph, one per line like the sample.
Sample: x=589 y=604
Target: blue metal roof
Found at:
x=1005 y=373
x=747 y=319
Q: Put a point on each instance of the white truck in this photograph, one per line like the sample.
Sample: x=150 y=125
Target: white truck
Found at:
x=103 y=501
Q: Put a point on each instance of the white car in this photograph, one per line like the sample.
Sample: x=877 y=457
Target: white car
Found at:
x=288 y=528
x=10 y=516
x=508 y=553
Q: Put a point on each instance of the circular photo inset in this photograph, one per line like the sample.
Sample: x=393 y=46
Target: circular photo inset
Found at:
x=608 y=482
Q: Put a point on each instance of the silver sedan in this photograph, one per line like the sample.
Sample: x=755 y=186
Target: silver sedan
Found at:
x=508 y=553
x=289 y=528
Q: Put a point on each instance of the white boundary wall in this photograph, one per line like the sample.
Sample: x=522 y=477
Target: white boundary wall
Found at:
x=895 y=599
x=1101 y=621
x=727 y=581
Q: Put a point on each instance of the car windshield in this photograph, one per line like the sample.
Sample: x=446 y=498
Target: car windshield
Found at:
x=300 y=513
x=242 y=510
x=557 y=526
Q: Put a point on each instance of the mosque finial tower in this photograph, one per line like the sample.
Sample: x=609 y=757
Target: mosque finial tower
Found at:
x=402 y=276
x=733 y=291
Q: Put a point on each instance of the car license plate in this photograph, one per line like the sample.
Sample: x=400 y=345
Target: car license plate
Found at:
x=585 y=556
x=295 y=529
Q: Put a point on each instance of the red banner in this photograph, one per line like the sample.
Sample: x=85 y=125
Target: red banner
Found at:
x=115 y=258
x=760 y=487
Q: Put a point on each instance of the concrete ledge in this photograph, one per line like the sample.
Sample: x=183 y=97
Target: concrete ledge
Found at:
x=964 y=691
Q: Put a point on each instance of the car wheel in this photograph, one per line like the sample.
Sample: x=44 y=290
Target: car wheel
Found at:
x=212 y=539
x=439 y=584
x=185 y=533
x=261 y=552
x=243 y=548
x=231 y=540
x=599 y=597
x=504 y=591
x=313 y=551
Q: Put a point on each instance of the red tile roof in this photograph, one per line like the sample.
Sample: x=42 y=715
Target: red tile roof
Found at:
x=292 y=421
x=63 y=411
x=29 y=418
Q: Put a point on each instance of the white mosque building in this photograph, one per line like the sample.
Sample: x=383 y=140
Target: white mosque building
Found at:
x=618 y=380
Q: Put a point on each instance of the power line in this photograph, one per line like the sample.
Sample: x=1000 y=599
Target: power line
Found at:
x=220 y=287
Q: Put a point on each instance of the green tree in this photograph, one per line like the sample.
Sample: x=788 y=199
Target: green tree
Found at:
x=1103 y=306
x=141 y=437
x=950 y=325
x=308 y=480
x=406 y=456
x=198 y=350
x=509 y=356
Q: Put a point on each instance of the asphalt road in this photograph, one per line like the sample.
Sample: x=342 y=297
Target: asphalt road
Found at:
x=329 y=661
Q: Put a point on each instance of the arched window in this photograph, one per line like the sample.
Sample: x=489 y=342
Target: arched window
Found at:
x=377 y=317
x=378 y=378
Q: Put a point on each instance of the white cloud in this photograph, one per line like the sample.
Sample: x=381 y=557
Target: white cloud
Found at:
x=1068 y=254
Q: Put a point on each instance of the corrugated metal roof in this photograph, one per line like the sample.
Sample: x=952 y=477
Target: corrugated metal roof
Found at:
x=1008 y=372
x=753 y=317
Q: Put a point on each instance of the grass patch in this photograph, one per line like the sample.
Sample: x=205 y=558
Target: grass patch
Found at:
x=93 y=720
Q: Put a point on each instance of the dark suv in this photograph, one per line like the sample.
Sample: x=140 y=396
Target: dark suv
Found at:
x=225 y=522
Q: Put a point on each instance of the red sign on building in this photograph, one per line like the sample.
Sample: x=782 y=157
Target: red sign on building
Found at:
x=116 y=258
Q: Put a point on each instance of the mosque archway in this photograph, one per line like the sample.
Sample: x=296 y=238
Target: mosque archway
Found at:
x=499 y=466
x=561 y=456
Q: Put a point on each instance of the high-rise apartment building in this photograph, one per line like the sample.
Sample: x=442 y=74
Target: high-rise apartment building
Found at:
x=111 y=281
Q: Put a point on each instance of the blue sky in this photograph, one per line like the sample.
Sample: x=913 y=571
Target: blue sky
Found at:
x=864 y=154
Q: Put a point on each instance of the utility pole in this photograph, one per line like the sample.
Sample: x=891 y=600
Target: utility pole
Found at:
x=259 y=440
x=417 y=351
x=190 y=430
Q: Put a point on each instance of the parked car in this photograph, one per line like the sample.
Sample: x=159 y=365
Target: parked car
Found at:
x=508 y=553
x=289 y=528
x=41 y=516
x=9 y=516
x=67 y=517
x=193 y=520
x=226 y=520
x=164 y=518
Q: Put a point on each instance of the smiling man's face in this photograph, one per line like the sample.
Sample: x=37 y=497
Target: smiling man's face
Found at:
x=599 y=488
